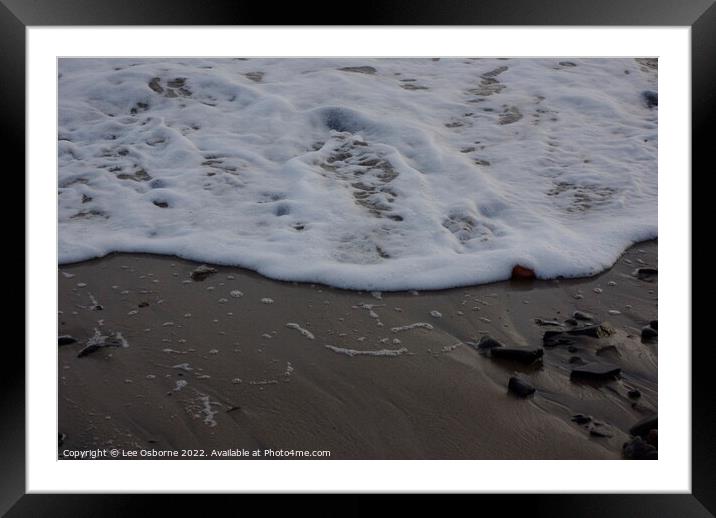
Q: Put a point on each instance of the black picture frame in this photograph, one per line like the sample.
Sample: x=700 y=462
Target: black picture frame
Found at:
x=700 y=15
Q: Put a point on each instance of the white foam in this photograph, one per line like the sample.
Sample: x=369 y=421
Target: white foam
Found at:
x=423 y=175
x=122 y=340
x=416 y=325
x=207 y=411
x=354 y=352
x=304 y=332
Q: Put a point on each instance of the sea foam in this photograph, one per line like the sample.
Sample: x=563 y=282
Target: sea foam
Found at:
x=372 y=174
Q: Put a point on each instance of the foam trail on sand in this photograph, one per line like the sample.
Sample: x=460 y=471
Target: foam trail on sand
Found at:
x=354 y=352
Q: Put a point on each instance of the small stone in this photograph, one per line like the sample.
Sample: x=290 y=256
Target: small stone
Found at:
x=256 y=77
x=541 y=322
x=648 y=334
x=520 y=387
x=581 y=315
x=634 y=394
x=523 y=273
x=595 y=371
x=487 y=343
x=596 y=331
x=202 y=272
x=143 y=304
x=641 y=428
x=650 y=99
x=359 y=70
x=638 y=449
x=646 y=273
x=66 y=340
x=581 y=419
x=520 y=355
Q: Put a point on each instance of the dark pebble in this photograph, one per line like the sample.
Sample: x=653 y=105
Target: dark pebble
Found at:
x=581 y=419
x=520 y=387
x=596 y=331
x=541 y=322
x=649 y=98
x=202 y=272
x=648 y=334
x=638 y=449
x=519 y=355
x=654 y=324
x=487 y=343
x=66 y=340
x=360 y=70
x=555 y=337
x=646 y=273
x=595 y=371
x=522 y=273
x=581 y=315
x=634 y=394
x=143 y=304
x=641 y=428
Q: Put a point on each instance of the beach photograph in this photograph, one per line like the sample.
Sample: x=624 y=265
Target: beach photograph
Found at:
x=357 y=258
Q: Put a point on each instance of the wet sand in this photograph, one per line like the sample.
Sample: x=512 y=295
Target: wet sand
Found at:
x=212 y=364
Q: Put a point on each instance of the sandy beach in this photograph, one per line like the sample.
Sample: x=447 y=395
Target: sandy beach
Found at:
x=156 y=359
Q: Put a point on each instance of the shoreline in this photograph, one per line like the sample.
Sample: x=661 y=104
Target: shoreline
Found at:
x=350 y=375
x=250 y=271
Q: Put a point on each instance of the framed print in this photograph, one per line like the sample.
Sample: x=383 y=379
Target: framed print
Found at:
x=418 y=253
